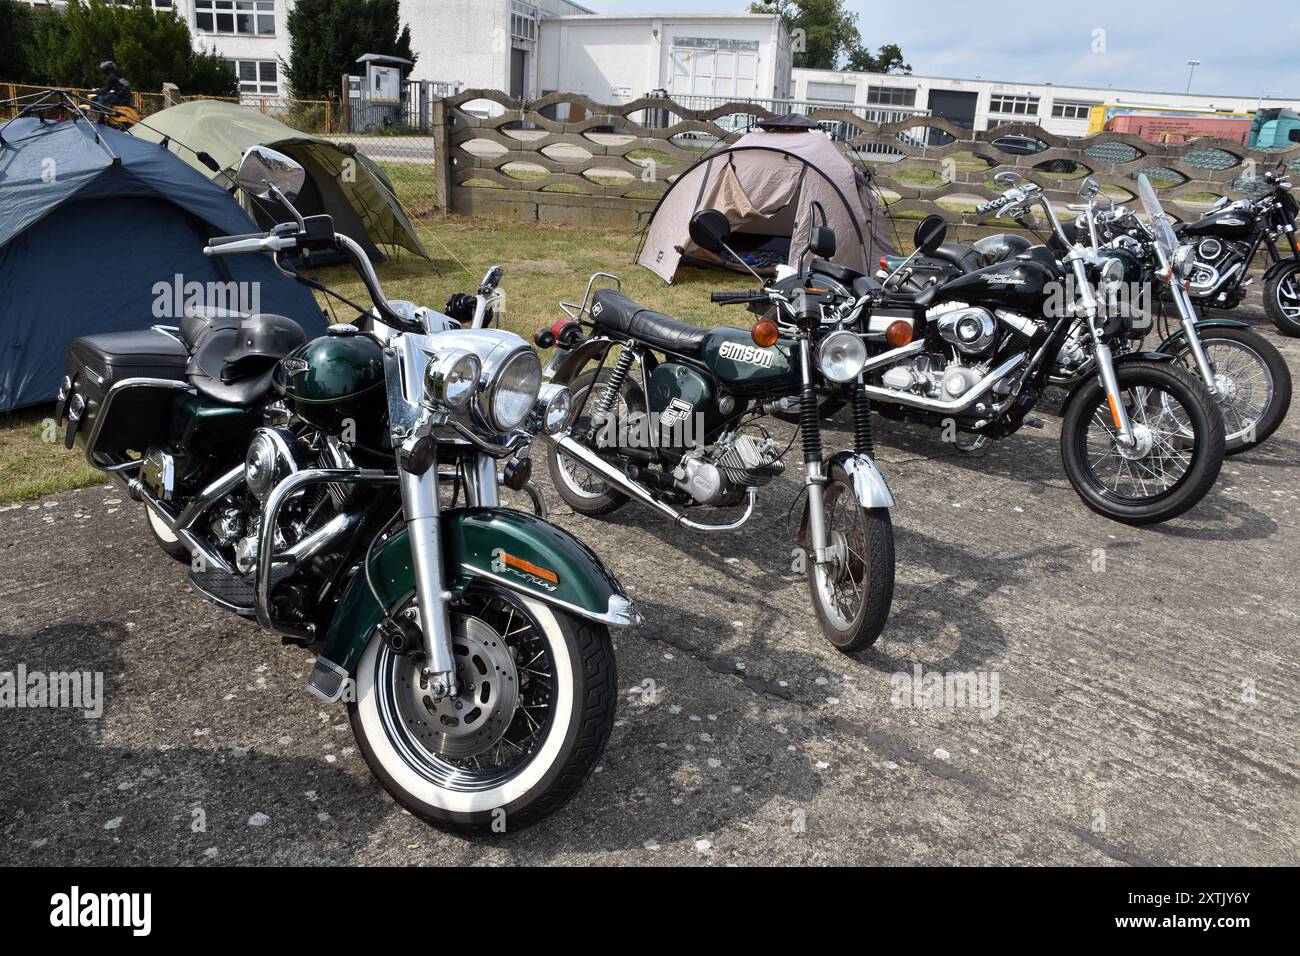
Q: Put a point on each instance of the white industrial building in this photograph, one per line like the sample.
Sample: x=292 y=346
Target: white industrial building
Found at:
x=986 y=104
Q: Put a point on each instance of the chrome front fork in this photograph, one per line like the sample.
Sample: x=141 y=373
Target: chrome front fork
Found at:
x=814 y=476
x=1105 y=361
x=1187 y=314
x=421 y=507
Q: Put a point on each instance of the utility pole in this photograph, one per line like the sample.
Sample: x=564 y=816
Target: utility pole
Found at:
x=1193 y=64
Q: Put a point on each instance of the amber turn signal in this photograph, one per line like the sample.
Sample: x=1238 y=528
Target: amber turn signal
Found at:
x=764 y=333
x=899 y=333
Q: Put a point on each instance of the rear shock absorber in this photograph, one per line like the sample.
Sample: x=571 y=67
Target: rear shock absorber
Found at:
x=863 y=443
x=617 y=376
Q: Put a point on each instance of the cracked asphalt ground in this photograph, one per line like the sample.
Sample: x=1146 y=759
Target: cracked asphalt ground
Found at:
x=1147 y=712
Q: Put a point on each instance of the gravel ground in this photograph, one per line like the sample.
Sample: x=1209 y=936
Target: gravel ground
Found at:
x=1145 y=708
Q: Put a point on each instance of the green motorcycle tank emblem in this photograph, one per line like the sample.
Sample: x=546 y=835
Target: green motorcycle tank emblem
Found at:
x=747 y=369
x=334 y=378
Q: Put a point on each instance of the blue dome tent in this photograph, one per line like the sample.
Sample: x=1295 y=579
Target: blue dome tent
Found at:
x=104 y=232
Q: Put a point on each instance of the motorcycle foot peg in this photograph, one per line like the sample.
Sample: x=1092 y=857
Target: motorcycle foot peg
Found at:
x=517 y=473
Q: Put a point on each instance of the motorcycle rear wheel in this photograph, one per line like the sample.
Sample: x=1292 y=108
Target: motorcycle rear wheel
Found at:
x=531 y=719
x=1282 y=300
x=582 y=491
x=1169 y=473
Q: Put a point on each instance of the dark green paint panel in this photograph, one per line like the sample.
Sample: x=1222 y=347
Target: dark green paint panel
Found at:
x=471 y=539
x=203 y=426
x=1178 y=336
x=747 y=369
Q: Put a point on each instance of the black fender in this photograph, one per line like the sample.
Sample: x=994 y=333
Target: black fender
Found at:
x=1170 y=342
x=1126 y=359
x=1280 y=266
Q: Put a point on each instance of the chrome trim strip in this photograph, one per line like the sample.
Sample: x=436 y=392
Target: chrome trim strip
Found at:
x=621 y=612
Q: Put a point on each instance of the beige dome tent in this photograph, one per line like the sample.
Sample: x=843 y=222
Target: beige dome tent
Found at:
x=340 y=180
x=765 y=183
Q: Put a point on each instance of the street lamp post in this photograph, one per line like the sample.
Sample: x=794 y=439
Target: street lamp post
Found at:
x=1193 y=64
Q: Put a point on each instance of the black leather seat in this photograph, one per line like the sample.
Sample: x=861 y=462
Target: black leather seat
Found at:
x=242 y=383
x=841 y=274
x=615 y=312
x=964 y=257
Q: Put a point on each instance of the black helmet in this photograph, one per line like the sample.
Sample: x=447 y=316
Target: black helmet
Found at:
x=108 y=66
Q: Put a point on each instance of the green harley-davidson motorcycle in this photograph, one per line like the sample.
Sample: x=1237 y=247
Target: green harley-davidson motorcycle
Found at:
x=300 y=481
x=684 y=434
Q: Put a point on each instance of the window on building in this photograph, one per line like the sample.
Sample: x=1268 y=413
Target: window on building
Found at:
x=523 y=20
x=1013 y=105
x=162 y=4
x=256 y=77
x=891 y=96
x=250 y=17
x=1071 y=109
x=832 y=92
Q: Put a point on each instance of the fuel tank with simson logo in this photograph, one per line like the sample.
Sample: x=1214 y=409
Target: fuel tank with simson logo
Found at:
x=748 y=370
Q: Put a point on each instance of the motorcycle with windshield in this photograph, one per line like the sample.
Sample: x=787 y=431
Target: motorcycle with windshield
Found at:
x=1141 y=440
x=300 y=481
x=1245 y=373
x=684 y=432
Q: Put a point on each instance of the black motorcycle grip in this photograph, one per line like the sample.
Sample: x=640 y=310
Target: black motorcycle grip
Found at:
x=734 y=298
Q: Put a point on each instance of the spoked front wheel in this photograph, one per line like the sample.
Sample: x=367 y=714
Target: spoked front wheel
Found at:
x=852 y=592
x=532 y=715
x=1175 y=459
x=1253 y=381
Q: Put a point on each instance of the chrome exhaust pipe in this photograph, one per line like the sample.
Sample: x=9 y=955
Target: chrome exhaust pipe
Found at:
x=565 y=443
x=953 y=406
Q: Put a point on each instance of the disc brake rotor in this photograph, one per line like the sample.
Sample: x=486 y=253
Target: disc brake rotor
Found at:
x=484 y=705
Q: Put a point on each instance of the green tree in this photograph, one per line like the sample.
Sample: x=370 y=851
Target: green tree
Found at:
x=888 y=59
x=825 y=36
x=17 y=25
x=327 y=36
x=152 y=47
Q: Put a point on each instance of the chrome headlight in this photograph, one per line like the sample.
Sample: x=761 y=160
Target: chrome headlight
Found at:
x=451 y=378
x=511 y=392
x=841 y=355
x=551 y=411
x=1184 y=261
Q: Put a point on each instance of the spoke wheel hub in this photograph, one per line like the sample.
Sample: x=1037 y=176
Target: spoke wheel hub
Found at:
x=1143 y=442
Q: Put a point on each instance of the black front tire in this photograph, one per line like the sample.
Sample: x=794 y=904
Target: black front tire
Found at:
x=1282 y=300
x=868 y=570
x=1206 y=448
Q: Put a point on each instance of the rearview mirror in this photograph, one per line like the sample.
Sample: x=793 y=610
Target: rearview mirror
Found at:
x=823 y=242
x=264 y=171
x=710 y=230
x=1089 y=188
x=1008 y=178
x=930 y=233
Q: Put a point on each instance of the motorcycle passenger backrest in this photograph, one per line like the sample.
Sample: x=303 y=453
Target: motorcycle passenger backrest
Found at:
x=823 y=242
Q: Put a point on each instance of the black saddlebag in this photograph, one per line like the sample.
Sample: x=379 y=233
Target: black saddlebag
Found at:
x=139 y=411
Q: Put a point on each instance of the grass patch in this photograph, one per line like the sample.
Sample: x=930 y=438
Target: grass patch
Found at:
x=33 y=461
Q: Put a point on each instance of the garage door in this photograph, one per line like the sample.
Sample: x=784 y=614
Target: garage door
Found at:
x=697 y=72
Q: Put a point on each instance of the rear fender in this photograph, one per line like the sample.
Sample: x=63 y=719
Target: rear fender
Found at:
x=1280 y=266
x=512 y=549
x=565 y=365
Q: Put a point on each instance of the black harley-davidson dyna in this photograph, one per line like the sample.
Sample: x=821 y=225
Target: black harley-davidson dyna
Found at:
x=299 y=480
x=683 y=433
x=1141 y=439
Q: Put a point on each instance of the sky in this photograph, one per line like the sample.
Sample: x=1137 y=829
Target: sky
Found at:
x=1145 y=45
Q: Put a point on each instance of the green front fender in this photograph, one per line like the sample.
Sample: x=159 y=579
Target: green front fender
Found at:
x=1168 y=344
x=515 y=550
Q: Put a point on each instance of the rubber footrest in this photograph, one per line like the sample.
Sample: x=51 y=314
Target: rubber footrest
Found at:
x=229 y=591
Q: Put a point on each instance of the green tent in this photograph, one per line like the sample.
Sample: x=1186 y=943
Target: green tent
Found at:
x=340 y=180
